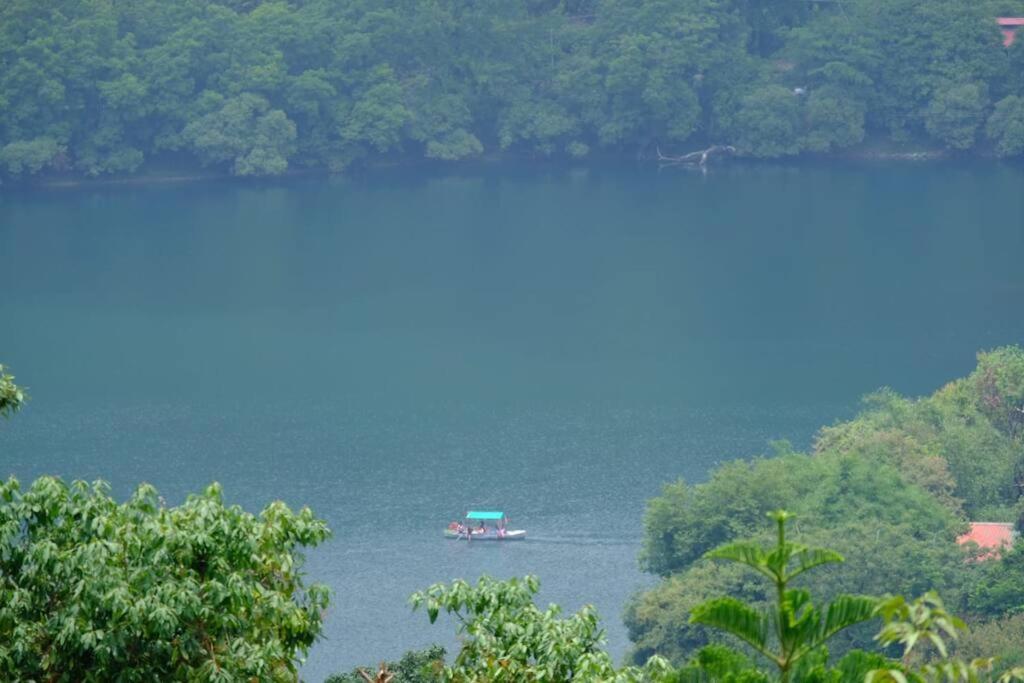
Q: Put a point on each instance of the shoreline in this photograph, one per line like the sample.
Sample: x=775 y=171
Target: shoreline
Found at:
x=181 y=177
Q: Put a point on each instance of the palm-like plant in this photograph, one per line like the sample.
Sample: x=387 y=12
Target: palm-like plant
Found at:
x=792 y=628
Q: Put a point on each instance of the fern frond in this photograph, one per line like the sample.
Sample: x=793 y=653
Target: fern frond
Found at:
x=742 y=552
x=734 y=617
x=846 y=611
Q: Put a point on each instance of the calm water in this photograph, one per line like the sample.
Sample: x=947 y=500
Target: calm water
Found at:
x=557 y=343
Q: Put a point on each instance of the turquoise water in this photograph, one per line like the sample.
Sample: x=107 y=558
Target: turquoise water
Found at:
x=557 y=343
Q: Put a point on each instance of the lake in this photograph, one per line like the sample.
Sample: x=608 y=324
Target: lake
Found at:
x=557 y=342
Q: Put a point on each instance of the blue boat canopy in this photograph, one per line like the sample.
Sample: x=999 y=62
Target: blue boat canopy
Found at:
x=484 y=514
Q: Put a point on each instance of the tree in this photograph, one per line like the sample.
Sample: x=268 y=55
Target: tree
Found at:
x=243 y=131
x=921 y=625
x=415 y=666
x=506 y=637
x=29 y=156
x=768 y=122
x=999 y=638
x=955 y=114
x=94 y=590
x=1005 y=126
x=833 y=121
x=997 y=586
x=110 y=85
x=858 y=504
x=12 y=397
x=792 y=628
x=828 y=491
x=998 y=384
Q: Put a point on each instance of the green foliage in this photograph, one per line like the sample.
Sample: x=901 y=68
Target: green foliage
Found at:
x=889 y=490
x=997 y=586
x=792 y=628
x=94 y=590
x=721 y=664
x=506 y=637
x=834 y=120
x=955 y=114
x=29 y=156
x=768 y=122
x=970 y=430
x=260 y=86
x=998 y=384
x=925 y=629
x=999 y=638
x=12 y=397
x=1005 y=127
x=828 y=490
x=415 y=666
x=244 y=132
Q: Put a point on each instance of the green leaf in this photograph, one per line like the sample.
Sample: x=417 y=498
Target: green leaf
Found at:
x=732 y=616
x=846 y=611
x=809 y=558
x=748 y=554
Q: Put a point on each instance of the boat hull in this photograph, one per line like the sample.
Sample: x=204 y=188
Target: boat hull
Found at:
x=512 y=535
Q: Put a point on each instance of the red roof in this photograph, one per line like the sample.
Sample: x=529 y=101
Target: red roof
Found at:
x=1009 y=28
x=994 y=535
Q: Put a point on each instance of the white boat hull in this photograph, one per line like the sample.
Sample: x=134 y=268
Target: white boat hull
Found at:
x=510 y=535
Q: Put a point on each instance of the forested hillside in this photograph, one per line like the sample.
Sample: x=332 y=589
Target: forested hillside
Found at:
x=257 y=87
x=891 y=490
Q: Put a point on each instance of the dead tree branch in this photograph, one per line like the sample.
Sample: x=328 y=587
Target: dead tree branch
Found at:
x=383 y=675
x=700 y=157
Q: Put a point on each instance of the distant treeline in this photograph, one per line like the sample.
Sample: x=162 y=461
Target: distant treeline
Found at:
x=260 y=86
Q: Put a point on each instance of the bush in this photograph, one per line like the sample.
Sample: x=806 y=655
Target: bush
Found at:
x=94 y=590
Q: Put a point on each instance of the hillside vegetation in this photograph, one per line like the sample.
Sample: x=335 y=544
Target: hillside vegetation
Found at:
x=891 y=490
x=257 y=87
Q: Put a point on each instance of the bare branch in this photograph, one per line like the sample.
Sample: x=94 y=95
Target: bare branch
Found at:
x=700 y=157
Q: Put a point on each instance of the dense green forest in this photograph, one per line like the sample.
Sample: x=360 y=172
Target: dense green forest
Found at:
x=891 y=490
x=97 y=590
x=258 y=87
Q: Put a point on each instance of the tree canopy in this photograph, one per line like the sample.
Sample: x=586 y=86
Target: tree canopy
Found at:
x=256 y=87
x=95 y=590
x=784 y=637
x=891 y=490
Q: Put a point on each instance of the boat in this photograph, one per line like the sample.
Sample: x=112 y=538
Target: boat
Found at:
x=476 y=527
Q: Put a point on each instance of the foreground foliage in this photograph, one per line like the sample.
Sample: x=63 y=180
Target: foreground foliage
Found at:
x=506 y=637
x=12 y=397
x=890 y=490
x=256 y=87
x=93 y=590
x=792 y=628
x=416 y=666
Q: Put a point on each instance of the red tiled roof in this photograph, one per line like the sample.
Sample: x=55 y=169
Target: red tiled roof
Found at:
x=1009 y=28
x=994 y=535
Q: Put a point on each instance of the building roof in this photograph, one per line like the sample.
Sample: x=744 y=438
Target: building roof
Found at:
x=992 y=535
x=1009 y=26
